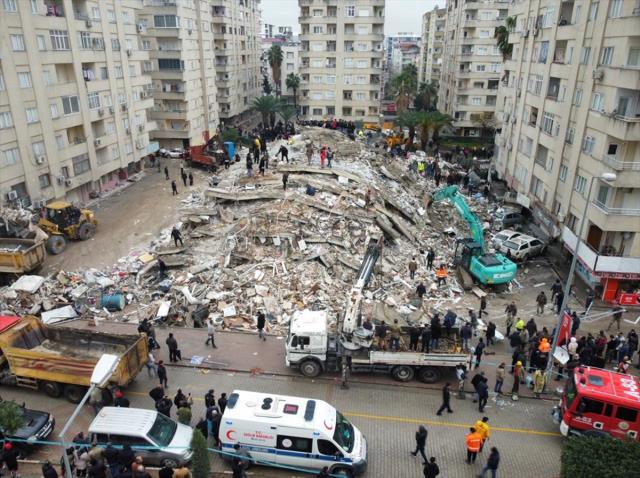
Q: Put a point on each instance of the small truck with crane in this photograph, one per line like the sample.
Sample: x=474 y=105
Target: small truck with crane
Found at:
x=313 y=348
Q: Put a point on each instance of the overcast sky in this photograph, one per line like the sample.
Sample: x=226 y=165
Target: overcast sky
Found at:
x=401 y=15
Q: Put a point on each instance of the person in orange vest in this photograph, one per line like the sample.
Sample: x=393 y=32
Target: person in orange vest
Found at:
x=441 y=274
x=544 y=346
x=474 y=442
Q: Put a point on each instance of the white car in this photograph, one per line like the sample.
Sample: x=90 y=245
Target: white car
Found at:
x=502 y=236
x=522 y=248
x=171 y=153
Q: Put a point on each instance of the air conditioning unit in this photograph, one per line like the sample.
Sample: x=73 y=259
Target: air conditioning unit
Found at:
x=140 y=27
x=190 y=32
x=12 y=195
x=535 y=32
x=124 y=107
x=60 y=179
x=39 y=204
x=100 y=112
x=97 y=142
x=67 y=182
x=140 y=127
x=597 y=74
x=143 y=95
x=41 y=159
x=88 y=23
x=129 y=51
x=525 y=33
x=111 y=111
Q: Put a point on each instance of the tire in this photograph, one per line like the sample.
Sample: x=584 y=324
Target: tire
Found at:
x=169 y=463
x=310 y=368
x=74 y=393
x=86 y=231
x=56 y=244
x=403 y=373
x=429 y=374
x=53 y=389
x=341 y=471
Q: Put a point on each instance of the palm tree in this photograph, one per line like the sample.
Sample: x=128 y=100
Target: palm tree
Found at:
x=276 y=56
x=426 y=97
x=266 y=86
x=404 y=86
x=486 y=121
x=440 y=120
x=502 y=36
x=431 y=125
x=411 y=120
x=286 y=113
x=293 y=83
x=267 y=106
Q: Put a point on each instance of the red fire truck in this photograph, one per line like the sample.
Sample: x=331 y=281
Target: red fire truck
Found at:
x=599 y=402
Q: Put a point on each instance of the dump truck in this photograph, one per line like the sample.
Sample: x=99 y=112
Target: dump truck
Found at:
x=63 y=221
x=60 y=360
x=19 y=256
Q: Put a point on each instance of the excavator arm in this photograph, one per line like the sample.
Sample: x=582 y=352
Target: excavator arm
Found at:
x=451 y=193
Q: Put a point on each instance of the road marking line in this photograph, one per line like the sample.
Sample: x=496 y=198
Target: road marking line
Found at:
x=446 y=424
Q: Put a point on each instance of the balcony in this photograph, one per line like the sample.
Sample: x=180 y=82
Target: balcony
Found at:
x=626 y=128
x=615 y=211
x=598 y=263
x=613 y=162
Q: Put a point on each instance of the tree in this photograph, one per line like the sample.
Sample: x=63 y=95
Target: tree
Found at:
x=266 y=106
x=425 y=100
x=411 y=120
x=200 y=465
x=502 y=36
x=603 y=457
x=11 y=417
x=286 y=113
x=293 y=83
x=275 y=57
x=431 y=125
x=403 y=87
x=266 y=86
x=486 y=122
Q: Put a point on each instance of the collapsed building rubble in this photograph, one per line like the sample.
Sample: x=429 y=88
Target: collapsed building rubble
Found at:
x=250 y=245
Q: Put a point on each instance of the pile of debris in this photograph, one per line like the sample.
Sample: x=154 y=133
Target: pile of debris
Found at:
x=250 y=245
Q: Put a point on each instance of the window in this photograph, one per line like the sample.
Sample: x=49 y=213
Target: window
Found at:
x=166 y=21
x=361 y=95
x=588 y=405
x=81 y=164
x=32 y=115
x=580 y=184
x=588 y=144
x=38 y=148
x=615 y=10
x=35 y=7
x=623 y=413
x=562 y=176
x=348 y=79
x=24 y=79
x=53 y=109
x=2 y=85
x=11 y=156
x=70 y=105
x=547 y=123
x=603 y=194
x=170 y=64
x=17 y=42
x=118 y=71
x=325 y=447
x=571 y=133
x=476 y=100
x=42 y=44
x=292 y=443
x=350 y=10
x=146 y=45
x=94 y=100
x=577 y=97
x=318 y=29
x=548 y=17
x=480 y=68
x=111 y=16
x=607 y=55
x=115 y=44
x=584 y=55
x=45 y=181
x=95 y=13
x=60 y=142
x=597 y=102
x=593 y=11
x=59 y=39
x=126 y=18
x=132 y=71
x=5 y=120
x=128 y=147
x=544 y=52
x=10 y=6
x=115 y=153
x=633 y=59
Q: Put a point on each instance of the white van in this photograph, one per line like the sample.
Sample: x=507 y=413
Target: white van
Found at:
x=292 y=431
x=158 y=439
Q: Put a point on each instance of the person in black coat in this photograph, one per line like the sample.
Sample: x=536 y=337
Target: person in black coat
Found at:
x=164 y=406
x=110 y=454
x=156 y=393
x=421 y=442
x=172 y=344
x=446 y=399
x=48 y=470
x=222 y=402
x=209 y=399
x=492 y=462
x=97 y=468
x=162 y=374
x=165 y=472
x=10 y=458
x=126 y=457
x=431 y=469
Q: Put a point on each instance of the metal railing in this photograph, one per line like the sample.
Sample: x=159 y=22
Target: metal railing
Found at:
x=618 y=165
x=617 y=211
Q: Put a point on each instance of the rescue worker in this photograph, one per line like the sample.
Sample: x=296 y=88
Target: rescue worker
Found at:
x=381 y=335
x=483 y=429
x=413 y=267
x=442 y=274
x=395 y=336
x=474 y=442
x=538 y=383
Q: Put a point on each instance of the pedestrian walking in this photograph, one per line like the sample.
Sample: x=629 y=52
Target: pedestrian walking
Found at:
x=473 y=440
x=461 y=375
x=261 y=166
x=511 y=311
x=174 y=188
x=500 y=374
x=222 y=402
x=190 y=178
x=483 y=307
x=151 y=365
x=483 y=395
x=518 y=375
x=413 y=267
x=249 y=163
x=285 y=179
x=492 y=463
x=162 y=374
x=479 y=350
x=490 y=333
x=508 y=323
x=261 y=321
x=421 y=290
x=172 y=344
x=431 y=255
x=556 y=287
x=184 y=178
x=446 y=399
x=483 y=429
x=211 y=330
x=617 y=317
x=421 y=442
x=176 y=235
x=559 y=300
x=330 y=156
x=166 y=173
x=431 y=469
x=466 y=332
x=541 y=302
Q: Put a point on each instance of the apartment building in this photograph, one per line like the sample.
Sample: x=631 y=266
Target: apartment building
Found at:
x=403 y=54
x=471 y=64
x=341 y=59
x=390 y=43
x=179 y=38
x=268 y=29
x=73 y=98
x=237 y=49
x=570 y=107
x=290 y=63
x=431 y=45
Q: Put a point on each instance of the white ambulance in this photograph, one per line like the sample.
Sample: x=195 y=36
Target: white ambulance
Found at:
x=292 y=431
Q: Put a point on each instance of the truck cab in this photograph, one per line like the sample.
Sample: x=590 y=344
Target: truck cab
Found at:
x=308 y=342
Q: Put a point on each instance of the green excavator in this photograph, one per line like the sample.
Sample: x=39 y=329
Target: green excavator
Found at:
x=470 y=254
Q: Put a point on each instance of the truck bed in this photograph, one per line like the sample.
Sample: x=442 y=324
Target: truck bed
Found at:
x=414 y=358
x=18 y=256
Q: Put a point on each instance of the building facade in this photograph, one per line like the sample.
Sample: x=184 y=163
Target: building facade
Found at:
x=74 y=91
x=290 y=63
x=570 y=108
x=471 y=65
x=431 y=45
x=341 y=59
x=403 y=54
x=179 y=38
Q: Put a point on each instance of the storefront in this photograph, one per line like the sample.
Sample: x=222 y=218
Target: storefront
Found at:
x=621 y=287
x=545 y=220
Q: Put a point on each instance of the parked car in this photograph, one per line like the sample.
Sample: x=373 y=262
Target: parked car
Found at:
x=522 y=247
x=504 y=235
x=506 y=218
x=172 y=153
x=37 y=426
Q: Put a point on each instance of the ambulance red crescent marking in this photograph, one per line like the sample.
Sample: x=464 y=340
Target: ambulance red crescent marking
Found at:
x=328 y=427
x=230 y=434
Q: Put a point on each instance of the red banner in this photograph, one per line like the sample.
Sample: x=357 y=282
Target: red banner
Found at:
x=629 y=299
x=565 y=329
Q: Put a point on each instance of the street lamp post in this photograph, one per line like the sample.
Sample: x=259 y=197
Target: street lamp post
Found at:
x=101 y=373
x=609 y=177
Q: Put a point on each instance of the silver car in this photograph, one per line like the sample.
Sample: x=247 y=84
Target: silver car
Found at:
x=504 y=235
x=522 y=248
